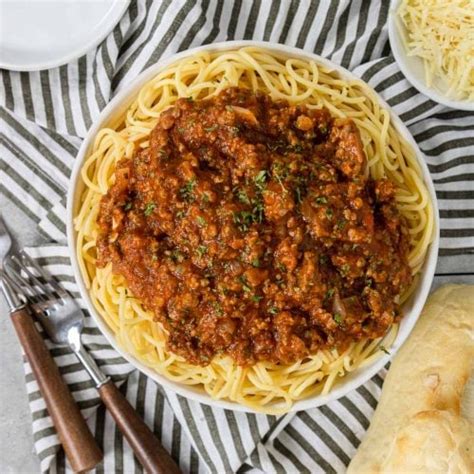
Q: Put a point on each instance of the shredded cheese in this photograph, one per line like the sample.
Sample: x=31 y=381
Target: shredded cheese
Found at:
x=441 y=32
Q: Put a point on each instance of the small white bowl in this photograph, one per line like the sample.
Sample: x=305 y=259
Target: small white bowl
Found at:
x=413 y=68
x=117 y=107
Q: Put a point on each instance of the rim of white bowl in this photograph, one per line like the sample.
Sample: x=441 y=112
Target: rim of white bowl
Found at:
x=402 y=59
x=117 y=107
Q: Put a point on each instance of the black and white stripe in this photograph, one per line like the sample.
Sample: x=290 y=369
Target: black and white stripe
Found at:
x=44 y=116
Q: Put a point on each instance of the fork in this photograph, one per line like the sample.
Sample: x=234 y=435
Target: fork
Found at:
x=79 y=445
x=63 y=320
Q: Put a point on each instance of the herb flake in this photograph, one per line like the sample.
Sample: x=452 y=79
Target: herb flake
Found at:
x=187 y=191
x=260 y=180
x=321 y=200
x=201 y=250
x=245 y=284
x=341 y=223
x=383 y=349
x=150 y=207
x=201 y=221
x=329 y=294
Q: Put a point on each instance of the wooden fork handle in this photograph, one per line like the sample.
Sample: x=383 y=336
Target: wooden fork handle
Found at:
x=79 y=445
x=146 y=446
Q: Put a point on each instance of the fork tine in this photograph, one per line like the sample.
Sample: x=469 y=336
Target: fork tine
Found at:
x=47 y=278
x=44 y=288
x=21 y=282
x=14 y=284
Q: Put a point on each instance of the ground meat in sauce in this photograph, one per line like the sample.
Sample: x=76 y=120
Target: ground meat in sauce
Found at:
x=249 y=229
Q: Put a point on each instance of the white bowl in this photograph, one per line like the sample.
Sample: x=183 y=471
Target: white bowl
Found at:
x=412 y=66
x=412 y=308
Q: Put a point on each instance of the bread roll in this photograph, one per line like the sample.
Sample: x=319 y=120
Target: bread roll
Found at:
x=418 y=425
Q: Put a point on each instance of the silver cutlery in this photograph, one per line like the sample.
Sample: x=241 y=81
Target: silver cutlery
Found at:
x=63 y=320
x=79 y=444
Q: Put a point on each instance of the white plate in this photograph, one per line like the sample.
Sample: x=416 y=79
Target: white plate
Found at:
x=42 y=34
x=118 y=106
x=412 y=66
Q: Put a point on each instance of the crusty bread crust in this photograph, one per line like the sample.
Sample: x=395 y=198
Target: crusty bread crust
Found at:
x=418 y=425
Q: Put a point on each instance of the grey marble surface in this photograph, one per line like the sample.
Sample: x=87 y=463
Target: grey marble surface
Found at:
x=17 y=454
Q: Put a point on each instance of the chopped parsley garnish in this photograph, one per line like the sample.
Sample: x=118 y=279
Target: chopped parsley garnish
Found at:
x=201 y=250
x=329 y=294
x=299 y=199
x=257 y=211
x=280 y=172
x=245 y=284
x=187 y=191
x=150 y=207
x=256 y=262
x=281 y=266
x=260 y=180
x=180 y=214
x=338 y=318
x=242 y=196
x=177 y=256
x=211 y=129
x=218 y=308
x=369 y=282
x=329 y=213
x=205 y=198
x=128 y=206
x=345 y=269
x=256 y=298
x=273 y=310
x=341 y=223
x=382 y=348
x=243 y=219
x=201 y=221
x=321 y=200
x=296 y=148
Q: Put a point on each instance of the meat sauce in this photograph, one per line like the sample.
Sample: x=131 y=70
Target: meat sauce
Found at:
x=249 y=229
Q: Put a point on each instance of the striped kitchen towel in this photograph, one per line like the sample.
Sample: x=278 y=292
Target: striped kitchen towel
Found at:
x=45 y=115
